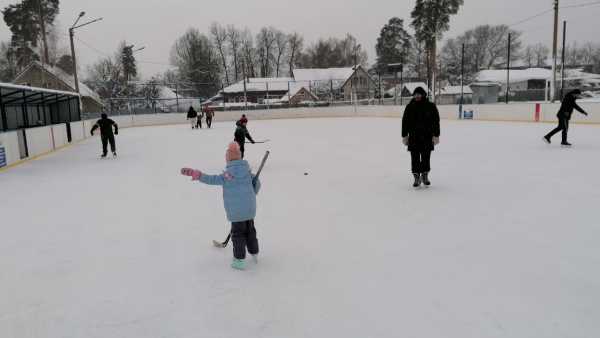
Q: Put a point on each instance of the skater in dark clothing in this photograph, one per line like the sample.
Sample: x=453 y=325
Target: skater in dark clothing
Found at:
x=192 y=115
x=210 y=113
x=241 y=134
x=106 y=134
x=199 y=120
x=564 y=116
x=243 y=119
x=240 y=187
x=421 y=133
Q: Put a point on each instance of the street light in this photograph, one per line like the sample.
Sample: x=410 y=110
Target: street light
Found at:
x=71 y=36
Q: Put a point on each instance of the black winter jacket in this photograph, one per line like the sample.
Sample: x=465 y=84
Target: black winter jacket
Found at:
x=106 y=127
x=421 y=122
x=568 y=105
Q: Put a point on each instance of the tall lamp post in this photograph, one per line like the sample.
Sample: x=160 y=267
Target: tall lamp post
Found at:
x=71 y=36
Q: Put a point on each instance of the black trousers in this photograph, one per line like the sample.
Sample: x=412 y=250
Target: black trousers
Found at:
x=563 y=125
x=209 y=121
x=105 y=140
x=421 y=161
x=242 y=148
x=243 y=235
x=199 y=123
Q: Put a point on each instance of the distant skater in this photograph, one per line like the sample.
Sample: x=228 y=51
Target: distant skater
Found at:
x=241 y=134
x=421 y=133
x=210 y=113
x=106 y=134
x=192 y=115
x=564 y=116
x=199 y=120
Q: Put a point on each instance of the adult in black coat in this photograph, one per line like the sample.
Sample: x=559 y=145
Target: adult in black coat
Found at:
x=241 y=134
x=106 y=134
x=569 y=104
x=192 y=115
x=421 y=132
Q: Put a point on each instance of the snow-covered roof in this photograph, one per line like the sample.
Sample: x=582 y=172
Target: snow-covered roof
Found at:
x=36 y=89
x=295 y=88
x=323 y=74
x=516 y=75
x=260 y=85
x=63 y=77
x=456 y=90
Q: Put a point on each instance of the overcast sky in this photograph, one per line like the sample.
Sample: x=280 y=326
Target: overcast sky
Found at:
x=157 y=23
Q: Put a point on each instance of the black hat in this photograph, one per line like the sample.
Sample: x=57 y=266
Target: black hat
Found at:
x=104 y=116
x=420 y=90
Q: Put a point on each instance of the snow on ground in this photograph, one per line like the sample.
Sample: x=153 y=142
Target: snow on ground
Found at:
x=504 y=244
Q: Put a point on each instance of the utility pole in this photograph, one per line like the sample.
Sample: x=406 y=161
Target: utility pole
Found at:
x=562 y=68
x=73 y=57
x=462 y=82
x=508 y=69
x=554 y=53
x=71 y=36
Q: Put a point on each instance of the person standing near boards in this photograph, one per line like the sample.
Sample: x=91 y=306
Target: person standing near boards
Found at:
x=421 y=133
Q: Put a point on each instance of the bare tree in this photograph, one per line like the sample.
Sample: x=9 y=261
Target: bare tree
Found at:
x=219 y=37
x=248 y=52
x=529 y=55
x=540 y=52
x=295 y=44
x=281 y=46
x=265 y=41
x=235 y=45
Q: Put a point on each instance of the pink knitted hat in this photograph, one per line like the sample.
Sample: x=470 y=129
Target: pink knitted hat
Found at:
x=233 y=152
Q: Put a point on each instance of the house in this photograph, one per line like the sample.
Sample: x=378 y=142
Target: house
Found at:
x=46 y=76
x=407 y=89
x=298 y=94
x=485 y=92
x=337 y=83
x=257 y=90
x=453 y=94
x=520 y=79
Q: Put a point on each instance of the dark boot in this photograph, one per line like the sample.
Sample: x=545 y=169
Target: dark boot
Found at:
x=425 y=178
x=566 y=144
x=417 y=180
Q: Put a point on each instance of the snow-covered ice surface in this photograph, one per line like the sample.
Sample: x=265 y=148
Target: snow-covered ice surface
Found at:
x=504 y=244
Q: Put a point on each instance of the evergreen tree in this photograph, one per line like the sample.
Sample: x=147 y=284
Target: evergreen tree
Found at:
x=393 y=43
x=66 y=64
x=431 y=18
x=29 y=21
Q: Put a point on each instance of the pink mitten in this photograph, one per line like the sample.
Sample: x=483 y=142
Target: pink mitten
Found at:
x=194 y=174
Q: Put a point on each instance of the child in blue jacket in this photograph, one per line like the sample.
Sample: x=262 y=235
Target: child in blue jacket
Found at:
x=240 y=188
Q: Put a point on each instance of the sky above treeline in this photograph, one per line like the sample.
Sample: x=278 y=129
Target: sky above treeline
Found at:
x=156 y=24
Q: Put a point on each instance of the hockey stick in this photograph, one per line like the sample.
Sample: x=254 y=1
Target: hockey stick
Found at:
x=260 y=142
x=260 y=168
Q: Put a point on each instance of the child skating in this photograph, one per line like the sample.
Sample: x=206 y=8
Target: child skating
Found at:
x=240 y=188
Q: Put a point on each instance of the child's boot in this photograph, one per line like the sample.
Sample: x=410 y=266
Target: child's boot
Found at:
x=238 y=264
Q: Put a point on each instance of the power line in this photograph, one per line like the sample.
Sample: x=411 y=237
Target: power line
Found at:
x=587 y=4
x=531 y=17
x=98 y=51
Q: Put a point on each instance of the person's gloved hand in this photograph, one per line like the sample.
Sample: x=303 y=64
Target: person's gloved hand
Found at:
x=91 y=132
x=586 y=114
x=405 y=141
x=436 y=140
x=116 y=133
x=193 y=173
x=253 y=142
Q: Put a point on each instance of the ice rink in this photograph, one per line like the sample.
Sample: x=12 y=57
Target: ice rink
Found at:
x=504 y=244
